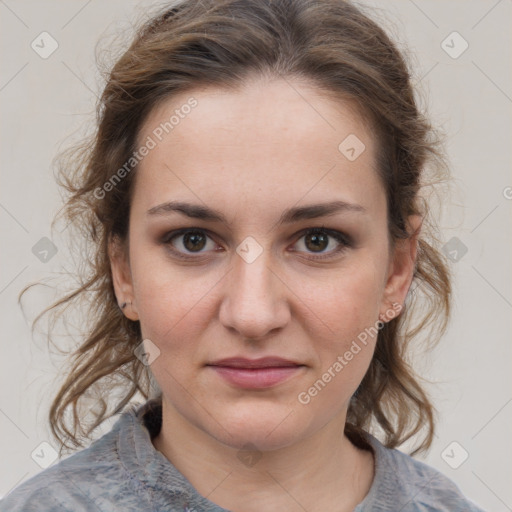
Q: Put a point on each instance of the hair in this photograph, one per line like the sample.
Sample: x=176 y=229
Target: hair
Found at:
x=330 y=44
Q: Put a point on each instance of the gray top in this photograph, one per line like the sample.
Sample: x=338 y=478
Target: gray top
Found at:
x=122 y=471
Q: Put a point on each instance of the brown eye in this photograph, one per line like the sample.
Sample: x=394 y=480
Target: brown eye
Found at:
x=322 y=243
x=316 y=242
x=194 y=241
x=189 y=241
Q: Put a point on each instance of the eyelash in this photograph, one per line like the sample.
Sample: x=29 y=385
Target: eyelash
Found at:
x=344 y=240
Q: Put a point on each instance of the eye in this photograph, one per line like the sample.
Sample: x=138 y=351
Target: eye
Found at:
x=319 y=242
x=325 y=242
x=189 y=241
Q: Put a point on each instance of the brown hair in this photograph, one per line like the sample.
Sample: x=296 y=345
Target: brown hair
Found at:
x=223 y=43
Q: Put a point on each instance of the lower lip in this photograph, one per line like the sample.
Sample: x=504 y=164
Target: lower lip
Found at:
x=256 y=378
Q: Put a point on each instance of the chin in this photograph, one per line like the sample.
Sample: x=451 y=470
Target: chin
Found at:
x=266 y=428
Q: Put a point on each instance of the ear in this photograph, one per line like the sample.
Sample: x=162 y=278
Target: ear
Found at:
x=401 y=269
x=122 y=278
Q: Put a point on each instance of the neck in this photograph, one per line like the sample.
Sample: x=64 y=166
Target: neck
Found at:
x=322 y=472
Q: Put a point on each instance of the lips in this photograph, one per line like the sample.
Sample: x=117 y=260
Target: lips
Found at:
x=262 y=362
x=259 y=373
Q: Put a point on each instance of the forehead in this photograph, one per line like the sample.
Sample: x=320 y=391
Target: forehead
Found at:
x=269 y=137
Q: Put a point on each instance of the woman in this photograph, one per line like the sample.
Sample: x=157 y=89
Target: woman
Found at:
x=252 y=195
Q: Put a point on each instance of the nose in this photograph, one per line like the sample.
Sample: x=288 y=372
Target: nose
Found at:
x=254 y=302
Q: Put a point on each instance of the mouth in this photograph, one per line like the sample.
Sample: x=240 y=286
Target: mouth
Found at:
x=260 y=373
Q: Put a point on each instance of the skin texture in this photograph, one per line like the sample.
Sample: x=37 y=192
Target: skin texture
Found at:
x=251 y=154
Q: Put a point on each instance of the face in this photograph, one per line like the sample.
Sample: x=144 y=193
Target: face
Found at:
x=244 y=267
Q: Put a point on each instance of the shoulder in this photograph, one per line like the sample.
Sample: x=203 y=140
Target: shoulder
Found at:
x=406 y=484
x=77 y=482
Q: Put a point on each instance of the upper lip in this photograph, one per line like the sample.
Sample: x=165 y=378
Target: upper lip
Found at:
x=262 y=362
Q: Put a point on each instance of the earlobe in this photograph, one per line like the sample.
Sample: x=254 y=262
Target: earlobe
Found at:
x=402 y=266
x=121 y=278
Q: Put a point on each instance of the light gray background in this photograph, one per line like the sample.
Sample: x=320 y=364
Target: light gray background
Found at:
x=43 y=101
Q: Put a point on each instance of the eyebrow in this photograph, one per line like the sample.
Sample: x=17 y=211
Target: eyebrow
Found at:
x=294 y=214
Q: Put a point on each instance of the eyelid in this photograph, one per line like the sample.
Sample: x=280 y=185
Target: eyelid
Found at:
x=340 y=236
x=169 y=236
x=345 y=241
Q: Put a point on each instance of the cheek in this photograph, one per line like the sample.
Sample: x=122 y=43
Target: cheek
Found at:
x=172 y=302
x=350 y=310
x=347 y=311
x=349 y=302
